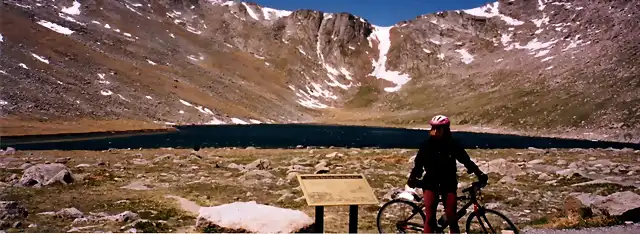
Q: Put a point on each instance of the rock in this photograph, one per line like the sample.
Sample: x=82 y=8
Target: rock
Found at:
x=285 y=197
x=292 y=176
x=561 y=162
x=253 y=217
x=260 y=164
x=33 y=225
x=70 y=213
x=16 y=224
x=544 y=176
x=257 y=174
x=126 y=216
x=601 y=162
x=12 y=210
x=236 y=166
x=46 y=174
x=508 y=180
x=140 y=161
x=25 y=166
x=502 y=167
x=9 y=151
x=82 y=165
x=322 y=164
x=592 y=158
x=535 y=161
x=573 y=165
x=322 y=170
x=299 y=147
x=63 y=160
x=332 y=155
x=250 y=148
x=566 y=172
x=625 y=204
x=163 y=157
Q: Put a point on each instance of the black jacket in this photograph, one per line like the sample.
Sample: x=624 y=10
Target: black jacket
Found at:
x=437 y=159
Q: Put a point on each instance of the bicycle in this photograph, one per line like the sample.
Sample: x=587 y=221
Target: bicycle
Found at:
x=471 y=196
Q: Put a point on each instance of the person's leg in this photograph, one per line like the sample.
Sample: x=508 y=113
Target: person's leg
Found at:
x=450 y=207
x=430 y=205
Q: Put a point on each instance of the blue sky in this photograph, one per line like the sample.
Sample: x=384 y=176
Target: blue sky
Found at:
x=378 y=12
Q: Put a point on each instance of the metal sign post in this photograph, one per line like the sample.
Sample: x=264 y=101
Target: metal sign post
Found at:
x=322 y=190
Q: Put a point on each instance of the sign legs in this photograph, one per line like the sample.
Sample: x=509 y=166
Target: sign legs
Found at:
x=319 y=219
x=353 y=219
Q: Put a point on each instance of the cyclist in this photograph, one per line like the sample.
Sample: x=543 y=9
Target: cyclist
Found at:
x=437 y=159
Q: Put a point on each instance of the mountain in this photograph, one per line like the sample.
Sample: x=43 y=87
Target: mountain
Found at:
x=532 y=66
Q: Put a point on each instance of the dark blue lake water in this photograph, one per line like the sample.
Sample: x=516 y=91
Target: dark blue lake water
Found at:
x=286 y=136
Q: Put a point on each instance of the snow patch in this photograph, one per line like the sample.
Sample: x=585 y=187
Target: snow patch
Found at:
x=258 y=56
x=251 y=12
x=228 y=45
x=68 y=18
x=435 y=41
x=204 y=110
x=23 y=66
x=148 y=97
x=121 y=97
x=491 y=10
x=151 y=62
x=498 y=60
x=426 y=51
x=273 y=14
x=547 y=59
x=352 y=48
x=3 y=102
x=185 y=103
x=254 y=121
x=73 y=9
x=106 y=92
x=127 y=34
x=1 y=38
x=573 y=44
x=42 y=59
x=505 y=38
x=107 y=26
x=541 y=53
x=55 y=27
x=466 y=57
x=238 y=121
x=300 y=49
x=383 y=35
x=193 y=30
x=346 y=73
x=548 y=68
x=533 y=45
x=171 y=35
x=181 y=112
x=441 y=56
x=540 y=22
x=215 y=121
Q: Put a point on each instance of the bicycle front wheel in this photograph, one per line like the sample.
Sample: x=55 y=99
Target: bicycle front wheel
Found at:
x=489 y=221
x=400 y=216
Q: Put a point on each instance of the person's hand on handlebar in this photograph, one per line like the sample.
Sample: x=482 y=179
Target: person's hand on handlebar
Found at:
x=413 y=182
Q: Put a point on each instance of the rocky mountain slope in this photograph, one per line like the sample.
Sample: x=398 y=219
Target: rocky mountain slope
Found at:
x=528 y=65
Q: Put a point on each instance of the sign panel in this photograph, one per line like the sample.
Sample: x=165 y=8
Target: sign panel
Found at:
x=336 y=190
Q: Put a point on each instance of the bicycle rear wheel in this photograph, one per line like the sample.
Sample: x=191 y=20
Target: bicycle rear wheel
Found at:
x=489 y=221
x=400 y=216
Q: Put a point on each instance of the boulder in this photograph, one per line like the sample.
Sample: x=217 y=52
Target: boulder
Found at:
x=535 y=161
x=623 y=204
x=12 y=210
x=260 y=164
x=508 y=180
x=544 y=176
x=254 y=218
x=502 y=167
x=46 y=174
x=70 y=213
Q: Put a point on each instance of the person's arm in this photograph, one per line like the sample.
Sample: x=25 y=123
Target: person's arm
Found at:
x=418 y=166
x=462 y=157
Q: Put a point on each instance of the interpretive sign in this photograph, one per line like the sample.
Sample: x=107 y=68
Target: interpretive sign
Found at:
x=336 y=190
x=351 y=190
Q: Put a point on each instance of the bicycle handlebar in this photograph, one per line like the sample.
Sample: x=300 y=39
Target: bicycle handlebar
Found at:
x=474 y=187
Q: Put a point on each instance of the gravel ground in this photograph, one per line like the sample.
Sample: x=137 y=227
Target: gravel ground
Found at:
x=620 y=229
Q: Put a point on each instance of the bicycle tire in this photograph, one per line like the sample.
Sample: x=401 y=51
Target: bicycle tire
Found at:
x=502 y=216
x=413 y=206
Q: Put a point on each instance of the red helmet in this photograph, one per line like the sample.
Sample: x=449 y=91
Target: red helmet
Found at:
x=439 y=120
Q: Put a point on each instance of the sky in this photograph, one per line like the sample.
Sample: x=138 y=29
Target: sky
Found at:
x=377 y=12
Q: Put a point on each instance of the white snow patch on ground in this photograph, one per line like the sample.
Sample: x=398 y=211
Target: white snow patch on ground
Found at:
x=181 y=112
x=548 y=68
x=251 y=12
x=540 y=22
x=300 y=49
x=23 y=66
x=273 y=14
x=69 y=18
x=204 y=110
x=96 y=22
x=151 y=62
x=215 y=121
x=268 y=64
x=3 y=102
x=117 y=30
x=258 y=56
x=101 y=75
x=121 y=97
x=499 y=60
x=104 y=82
x=539 y=31
x=73 y=9
x=171 y=35
x=136 y=4
x=254 y=121
x=346 y=73
x=193 y=30
x=382 y=34
x=317 y=90
x=435 y=41
x=541 y=53
x=42 y=59
x=4 y=72
x=466 y=57
x=1 y=38
x=532 y=45
x=426 y=51
x=185 y=103
x=352 y=48
x=107 y=26
x=541 y=5
x=148 y=97
x=491 y=10
x=238 y=121
x=306 y=100
x=441 y=56
x=55 y=27
x=573 y=44
x=547 y=59
x=106 y=92
x=228 y=45
x=23 y=6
